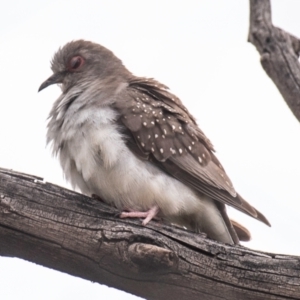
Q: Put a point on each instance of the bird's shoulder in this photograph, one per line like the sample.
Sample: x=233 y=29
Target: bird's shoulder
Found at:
x=160 y=128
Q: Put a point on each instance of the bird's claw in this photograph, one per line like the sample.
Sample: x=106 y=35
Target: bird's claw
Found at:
x=147 y=216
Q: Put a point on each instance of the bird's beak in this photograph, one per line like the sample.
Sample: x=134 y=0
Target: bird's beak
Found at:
x=55 y=78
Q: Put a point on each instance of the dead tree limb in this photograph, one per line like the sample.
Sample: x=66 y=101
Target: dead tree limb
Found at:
x=279 y=52
x=81 y=236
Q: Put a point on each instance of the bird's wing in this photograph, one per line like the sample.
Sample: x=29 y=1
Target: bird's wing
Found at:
x=159 y=128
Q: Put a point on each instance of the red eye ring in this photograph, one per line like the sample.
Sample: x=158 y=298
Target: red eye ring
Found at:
x=75 y=63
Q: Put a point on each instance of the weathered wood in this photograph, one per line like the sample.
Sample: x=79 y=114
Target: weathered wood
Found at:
x=81 y=236
x=279 y=52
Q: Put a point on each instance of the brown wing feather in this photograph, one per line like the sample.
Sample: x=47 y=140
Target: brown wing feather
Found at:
x=161 y=129
x=231 y=228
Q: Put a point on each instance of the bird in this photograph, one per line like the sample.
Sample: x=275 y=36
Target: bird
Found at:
x=132 y=143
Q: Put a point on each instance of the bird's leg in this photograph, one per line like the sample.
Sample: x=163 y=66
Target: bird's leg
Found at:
x=147 y=215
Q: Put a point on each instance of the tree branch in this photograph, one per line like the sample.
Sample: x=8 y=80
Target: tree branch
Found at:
x=81 y=236
x=279 y=52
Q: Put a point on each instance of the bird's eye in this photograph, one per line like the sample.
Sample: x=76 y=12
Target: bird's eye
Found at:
x=75 y=63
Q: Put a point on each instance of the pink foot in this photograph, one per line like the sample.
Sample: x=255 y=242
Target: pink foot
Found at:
x=148 y=215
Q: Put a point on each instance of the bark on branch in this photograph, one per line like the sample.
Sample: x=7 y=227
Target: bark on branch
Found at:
x=279 y=52
x=81 y=236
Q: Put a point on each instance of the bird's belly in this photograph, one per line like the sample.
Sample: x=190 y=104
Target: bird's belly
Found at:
x=99 y=162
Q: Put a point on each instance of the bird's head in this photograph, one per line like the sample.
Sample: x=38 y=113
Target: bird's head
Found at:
x=81 y=62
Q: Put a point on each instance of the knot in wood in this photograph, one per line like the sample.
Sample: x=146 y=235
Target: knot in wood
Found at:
x=5 y=205
x=151 y=258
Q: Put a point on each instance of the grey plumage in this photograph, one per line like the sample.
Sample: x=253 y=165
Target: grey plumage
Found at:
x=130 y=141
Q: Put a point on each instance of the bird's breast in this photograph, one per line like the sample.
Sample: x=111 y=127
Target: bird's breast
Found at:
x=95 y=158
x=90 y=140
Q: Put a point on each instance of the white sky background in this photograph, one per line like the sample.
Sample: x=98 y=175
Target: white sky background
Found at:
x=200 y=50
